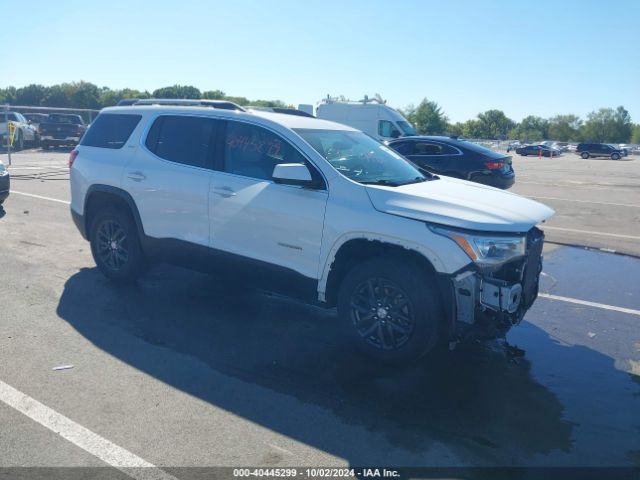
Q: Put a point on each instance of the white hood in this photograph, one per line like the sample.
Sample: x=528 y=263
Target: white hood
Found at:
x=458 y=203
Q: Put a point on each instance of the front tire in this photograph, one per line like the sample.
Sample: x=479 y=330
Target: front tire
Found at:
x=115 y=245
x=20 y=141
x=392 y=308
x=615 y=156
x=585 y=155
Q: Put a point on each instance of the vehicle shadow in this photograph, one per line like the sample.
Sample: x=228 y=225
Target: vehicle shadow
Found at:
x=477 y=400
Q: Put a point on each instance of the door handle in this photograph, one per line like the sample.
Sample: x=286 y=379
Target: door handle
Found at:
x=137 y=176
x=224 y=192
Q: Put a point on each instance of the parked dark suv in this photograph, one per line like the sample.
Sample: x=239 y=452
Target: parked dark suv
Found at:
x=586 y=150
x=457 y=158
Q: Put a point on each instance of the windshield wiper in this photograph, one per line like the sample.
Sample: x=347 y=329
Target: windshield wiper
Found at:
x=415 y=180
x=386 y=183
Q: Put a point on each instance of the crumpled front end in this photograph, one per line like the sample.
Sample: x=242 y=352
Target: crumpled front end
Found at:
x=488 y=301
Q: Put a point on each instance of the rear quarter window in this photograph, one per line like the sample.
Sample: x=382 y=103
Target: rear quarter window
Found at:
x=110 y=130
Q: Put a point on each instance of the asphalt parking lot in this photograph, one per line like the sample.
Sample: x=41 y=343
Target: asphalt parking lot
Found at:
x=187 y=370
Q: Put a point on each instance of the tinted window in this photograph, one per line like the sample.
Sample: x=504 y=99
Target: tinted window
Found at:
x=11 y=116
x=110 y=130
x=404 y=148
x=182 y=139
x=387 y=129
x=427 y=148
x=254 y=152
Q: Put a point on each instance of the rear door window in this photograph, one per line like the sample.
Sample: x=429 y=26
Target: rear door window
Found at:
x=110 y=130
x=183 y=139
x=428 y=148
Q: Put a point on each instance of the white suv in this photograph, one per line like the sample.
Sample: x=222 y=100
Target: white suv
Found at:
x=313 y=209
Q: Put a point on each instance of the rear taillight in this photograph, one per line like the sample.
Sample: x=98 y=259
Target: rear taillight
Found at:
x=494 y=165
x=72 y=157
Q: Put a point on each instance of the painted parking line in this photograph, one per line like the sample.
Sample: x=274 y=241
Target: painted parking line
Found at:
x=90 y=442
x=603 y=306
x=591 y=232
x=41 y=197
x=586 y=201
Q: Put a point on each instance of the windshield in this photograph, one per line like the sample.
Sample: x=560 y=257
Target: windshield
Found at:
x=406 y=128
x=361 y=158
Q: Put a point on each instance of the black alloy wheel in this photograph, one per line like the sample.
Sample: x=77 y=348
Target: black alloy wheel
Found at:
x=112 y=244
x=382 y=313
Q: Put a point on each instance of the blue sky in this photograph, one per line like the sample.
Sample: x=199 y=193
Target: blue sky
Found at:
x=525 y=57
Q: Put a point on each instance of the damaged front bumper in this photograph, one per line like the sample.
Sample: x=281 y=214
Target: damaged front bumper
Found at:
x=487 y=302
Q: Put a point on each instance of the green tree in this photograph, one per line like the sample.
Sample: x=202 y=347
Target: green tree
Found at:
x=56 y=96
x=608 y=125
x=471 y=129
x=493 y=124
x=177 y=91
x=213 y=94
x=270 y=103
x=31 y=95
x=565 y=128
x=456 y=129
x=427 y=117
x=635 y=135
x=84 y=95
x=8 y=95
x=109 y=97
x=531 y=128
x=243 y=101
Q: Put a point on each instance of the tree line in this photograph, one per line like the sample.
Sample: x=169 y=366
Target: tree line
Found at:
x=90 y=96
x=604 y=125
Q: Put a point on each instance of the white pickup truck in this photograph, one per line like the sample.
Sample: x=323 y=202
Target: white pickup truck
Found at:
x=25 y=133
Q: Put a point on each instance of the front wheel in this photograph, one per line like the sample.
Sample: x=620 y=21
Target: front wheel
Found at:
x=585 y=155
x=392 y=308
x=615 y=156
x=115 y=245
x=20 y=141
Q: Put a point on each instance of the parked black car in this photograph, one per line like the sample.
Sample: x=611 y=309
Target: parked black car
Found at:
x=537 y=150
x=457 y=158
x=587 y=150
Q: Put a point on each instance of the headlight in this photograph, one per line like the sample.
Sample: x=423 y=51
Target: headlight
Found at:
x=3 y=170
x=486 y=249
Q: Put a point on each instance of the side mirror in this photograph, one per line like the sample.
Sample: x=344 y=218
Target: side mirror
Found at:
x=395 y=134
x=292 y=174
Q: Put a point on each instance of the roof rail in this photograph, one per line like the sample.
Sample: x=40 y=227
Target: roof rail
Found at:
x=180 y=102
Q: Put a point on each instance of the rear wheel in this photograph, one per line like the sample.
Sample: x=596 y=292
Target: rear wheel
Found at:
x=115 y=245
x=392 y=308
x=615 y=156
x=585 y=155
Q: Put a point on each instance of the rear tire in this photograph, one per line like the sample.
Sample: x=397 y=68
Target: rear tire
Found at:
x=615 y=156
x=392 y=309
x=115 y=245
x=585 y=155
